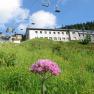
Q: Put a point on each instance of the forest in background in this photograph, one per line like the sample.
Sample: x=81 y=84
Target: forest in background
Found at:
x=81 y=26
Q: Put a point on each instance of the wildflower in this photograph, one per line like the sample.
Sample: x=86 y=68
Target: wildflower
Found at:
x=45 y=65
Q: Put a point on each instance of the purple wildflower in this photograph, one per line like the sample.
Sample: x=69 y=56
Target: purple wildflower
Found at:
x=45 y=65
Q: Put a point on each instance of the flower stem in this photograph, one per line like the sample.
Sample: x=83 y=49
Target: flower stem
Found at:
x=42 y=87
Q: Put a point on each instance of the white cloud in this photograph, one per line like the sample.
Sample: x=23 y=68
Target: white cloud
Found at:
x=10 y=9
x=7 y=7
x=21 y=14
x=43 y=19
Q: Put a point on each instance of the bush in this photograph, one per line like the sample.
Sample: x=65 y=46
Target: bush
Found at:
x=86 y=40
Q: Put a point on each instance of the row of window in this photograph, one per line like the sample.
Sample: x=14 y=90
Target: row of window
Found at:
x=55 y=38
x=84 y=35
x=49 y=32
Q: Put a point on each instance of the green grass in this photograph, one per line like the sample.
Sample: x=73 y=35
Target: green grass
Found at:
x=75 y=60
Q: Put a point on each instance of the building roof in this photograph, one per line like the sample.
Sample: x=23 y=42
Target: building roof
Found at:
x=18 y=34
x=56 y=29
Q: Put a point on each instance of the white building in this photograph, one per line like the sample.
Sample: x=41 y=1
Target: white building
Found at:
x=16 y=38
x=57 y=34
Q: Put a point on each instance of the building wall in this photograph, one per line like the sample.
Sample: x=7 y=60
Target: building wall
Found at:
x=92 y=38
x=53 y=35
x=57 y=35
x=82 y=35
x=16 y=41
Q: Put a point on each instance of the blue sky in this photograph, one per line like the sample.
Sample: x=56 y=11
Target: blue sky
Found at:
x=72 y=11
x=13 y=13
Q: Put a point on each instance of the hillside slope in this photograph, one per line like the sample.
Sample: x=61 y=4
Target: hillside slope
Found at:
x=75 y=60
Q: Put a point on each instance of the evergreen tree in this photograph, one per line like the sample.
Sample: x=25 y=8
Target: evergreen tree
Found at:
x=80 y=26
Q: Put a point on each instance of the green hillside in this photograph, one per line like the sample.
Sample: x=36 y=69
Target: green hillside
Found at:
x=75 y=60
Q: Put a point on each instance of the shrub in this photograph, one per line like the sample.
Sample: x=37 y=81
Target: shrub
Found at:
x=86 y=40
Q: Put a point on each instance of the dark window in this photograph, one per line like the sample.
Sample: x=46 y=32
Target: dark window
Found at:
x=73 y=32
x=63 y=38
x=58 y=32
x=60 y=38
x=49 y=32
x=50 y=37
x=54 y=32
x=62 y=32
x=55 y=38
x=75 y=38
x=67 y=32
x=46 y=37
x=41 y=32
x=36 y=31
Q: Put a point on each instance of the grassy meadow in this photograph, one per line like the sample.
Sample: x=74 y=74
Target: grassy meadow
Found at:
x=75 y=60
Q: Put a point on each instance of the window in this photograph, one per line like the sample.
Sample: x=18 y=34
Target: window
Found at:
x=73 y=32
x=45 y=32
x=50 y=38
x=58 y=32
x=75 y=38
x=49 y=32
x=63 y=38
x=55 y=38
x=59 y=38
x=62 y=32
x=36 y=31
x=46 y=37
x=83 y=35
x=41 y=32
x=54 y=32
x=67 y=32
x=41 y=37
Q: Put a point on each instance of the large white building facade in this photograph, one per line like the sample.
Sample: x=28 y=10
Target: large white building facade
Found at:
x=58 y=34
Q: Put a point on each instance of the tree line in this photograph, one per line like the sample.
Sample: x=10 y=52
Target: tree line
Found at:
x=80 y=26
